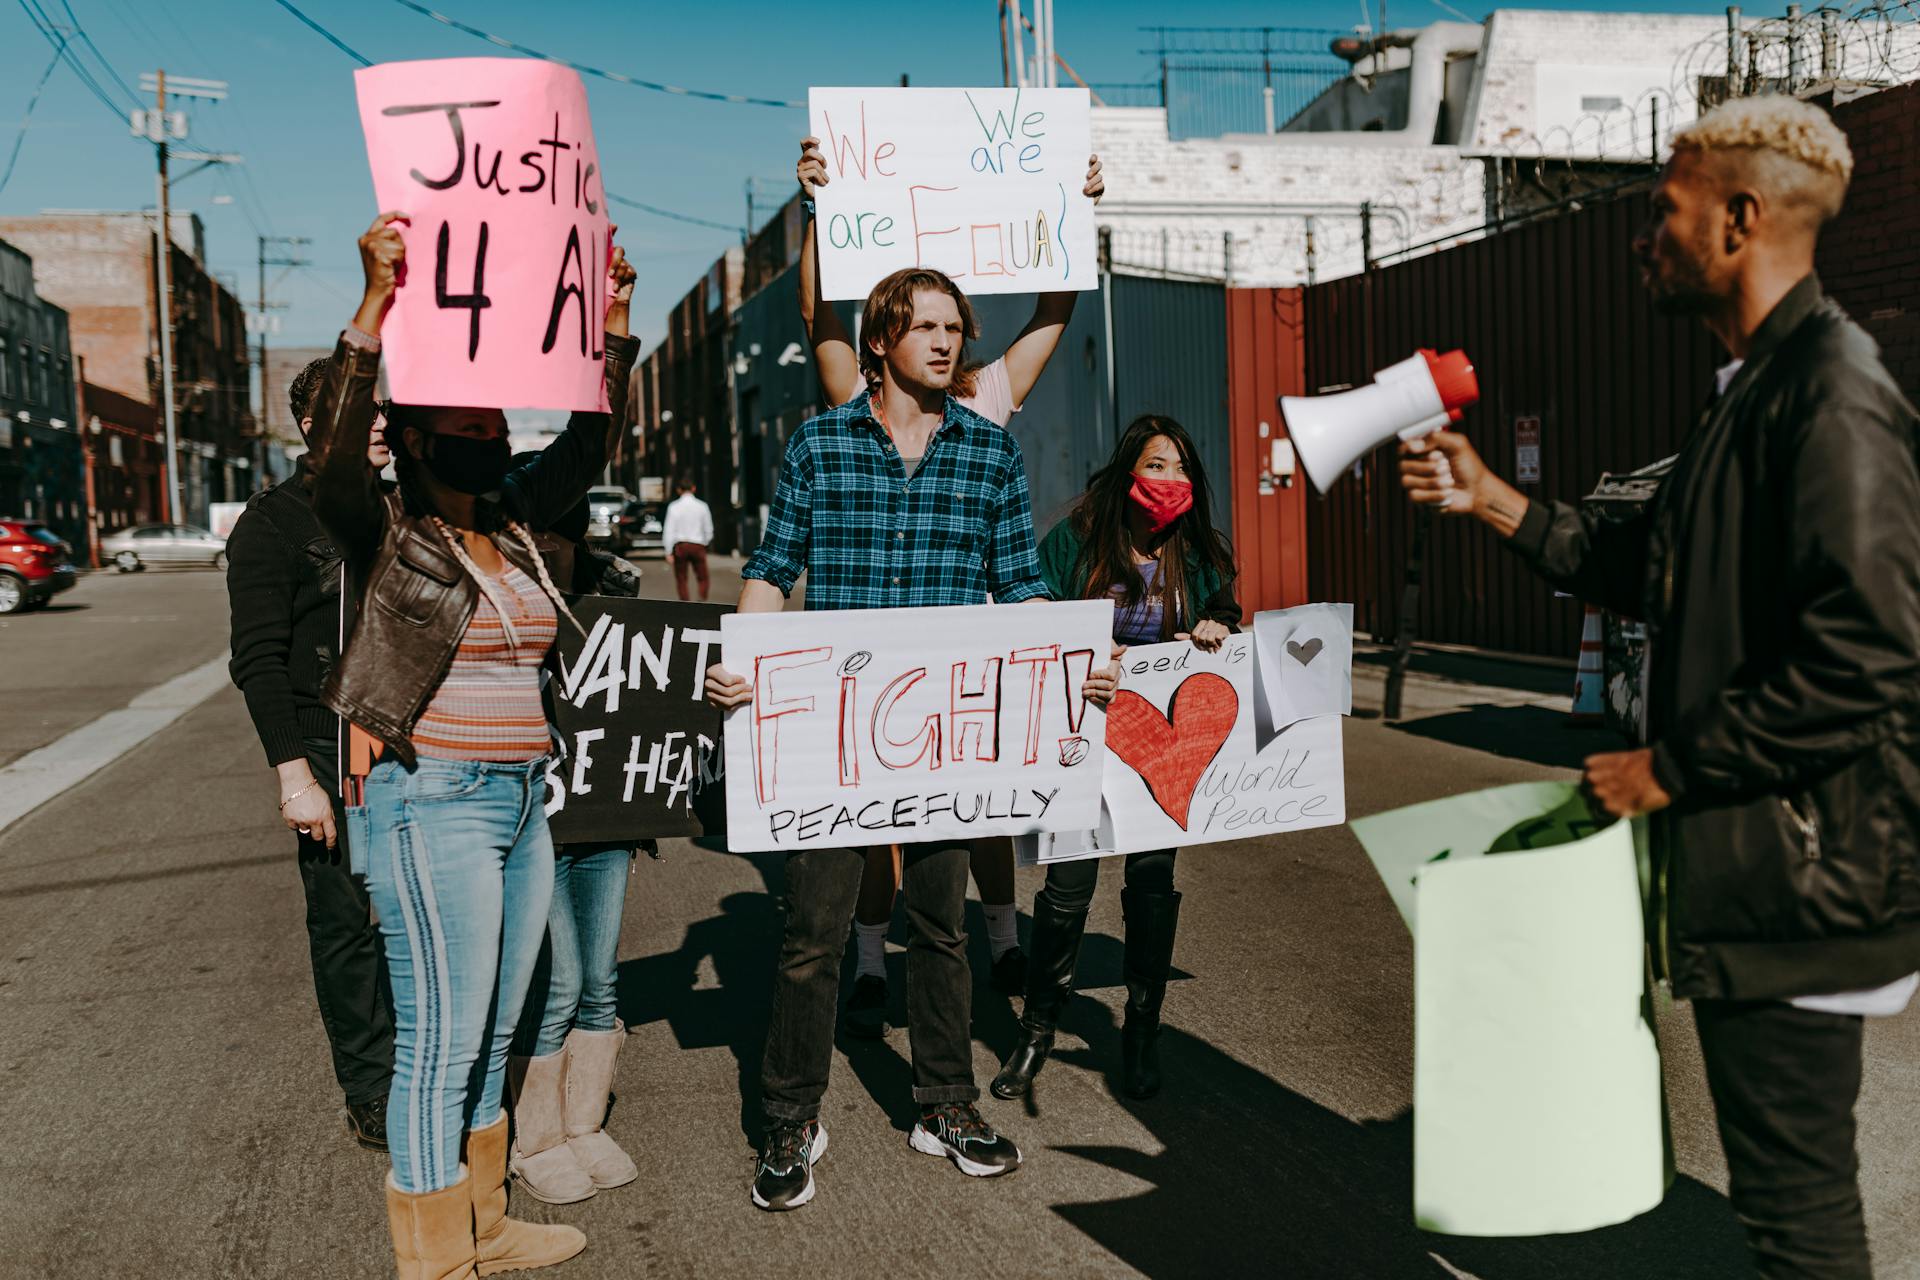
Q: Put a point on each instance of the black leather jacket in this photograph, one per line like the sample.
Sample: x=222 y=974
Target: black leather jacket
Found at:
x=416 y=598
x=1778 y=571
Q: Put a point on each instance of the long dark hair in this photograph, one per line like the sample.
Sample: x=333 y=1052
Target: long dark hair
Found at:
x=487 y=515
x=1100 y=520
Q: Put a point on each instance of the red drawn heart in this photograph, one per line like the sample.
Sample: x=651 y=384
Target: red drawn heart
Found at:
x=1171 y=752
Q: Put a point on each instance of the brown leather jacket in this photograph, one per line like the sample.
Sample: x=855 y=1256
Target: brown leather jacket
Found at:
x=415 y=597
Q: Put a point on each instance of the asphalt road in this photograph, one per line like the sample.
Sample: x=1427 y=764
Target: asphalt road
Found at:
x=171 y=1112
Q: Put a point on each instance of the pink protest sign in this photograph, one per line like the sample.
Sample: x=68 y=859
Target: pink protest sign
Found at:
x=505 y=293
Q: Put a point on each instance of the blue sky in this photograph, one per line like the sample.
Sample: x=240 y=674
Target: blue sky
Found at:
x=292 y=113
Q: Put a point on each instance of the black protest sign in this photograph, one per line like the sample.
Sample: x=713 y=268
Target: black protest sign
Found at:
x=637 y=742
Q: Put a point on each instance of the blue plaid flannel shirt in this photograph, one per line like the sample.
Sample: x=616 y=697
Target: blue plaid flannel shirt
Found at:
x=869 y=537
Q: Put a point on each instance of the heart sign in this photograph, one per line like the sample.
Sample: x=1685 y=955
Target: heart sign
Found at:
x=1305 y=653
x=1170 y=752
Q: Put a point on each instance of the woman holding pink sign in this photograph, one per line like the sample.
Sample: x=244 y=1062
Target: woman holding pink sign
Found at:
x=458 y=614
x=1143 y=535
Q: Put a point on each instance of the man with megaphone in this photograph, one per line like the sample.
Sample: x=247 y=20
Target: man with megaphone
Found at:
x=1778 y=572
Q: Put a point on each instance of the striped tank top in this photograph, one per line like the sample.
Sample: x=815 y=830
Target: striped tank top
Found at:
x=488 y=707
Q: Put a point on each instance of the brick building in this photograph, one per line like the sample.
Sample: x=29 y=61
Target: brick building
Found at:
x=100 y=266
x=683 y=395
x=40 y=472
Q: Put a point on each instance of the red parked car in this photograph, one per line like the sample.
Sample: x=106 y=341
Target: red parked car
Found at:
x=35 y=565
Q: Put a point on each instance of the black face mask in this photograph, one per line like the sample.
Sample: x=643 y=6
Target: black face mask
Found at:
x=468 y=464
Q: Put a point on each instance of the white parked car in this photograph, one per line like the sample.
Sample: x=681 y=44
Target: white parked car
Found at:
x=606 y=504
x=134 y=549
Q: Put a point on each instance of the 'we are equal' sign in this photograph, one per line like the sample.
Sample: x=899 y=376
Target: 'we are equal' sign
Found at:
x=982 y=184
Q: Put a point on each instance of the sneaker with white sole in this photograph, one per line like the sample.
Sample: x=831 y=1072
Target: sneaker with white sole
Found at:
x=956 y=1131
x=783 y=1176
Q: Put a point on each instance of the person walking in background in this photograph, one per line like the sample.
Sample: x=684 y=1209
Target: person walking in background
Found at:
x=285 y=591
x=903 y=497
x=459 y=614
x=995 y=391
x=1777 y=570
x=1142 y=534
x=687 y=533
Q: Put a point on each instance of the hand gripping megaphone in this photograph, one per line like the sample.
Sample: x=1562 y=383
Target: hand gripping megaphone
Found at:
x=1422 y=393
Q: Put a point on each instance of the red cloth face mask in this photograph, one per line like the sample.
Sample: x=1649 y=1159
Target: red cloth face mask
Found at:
x=1161 y=501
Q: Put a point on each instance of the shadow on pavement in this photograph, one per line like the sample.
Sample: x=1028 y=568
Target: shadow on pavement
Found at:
x=741 y=943
x=1286 y=1187
x=1535 y=734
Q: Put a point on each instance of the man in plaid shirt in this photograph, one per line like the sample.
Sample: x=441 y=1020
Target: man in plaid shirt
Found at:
x=901 y=497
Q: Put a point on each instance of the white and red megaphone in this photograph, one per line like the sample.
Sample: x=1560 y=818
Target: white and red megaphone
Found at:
x=1420 y=394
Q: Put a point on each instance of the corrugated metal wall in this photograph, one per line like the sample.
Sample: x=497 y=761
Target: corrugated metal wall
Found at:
x=1559 y=328
x=1170 y=357
x=1266 y=354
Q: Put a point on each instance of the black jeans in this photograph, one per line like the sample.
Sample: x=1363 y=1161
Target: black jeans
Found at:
x=822 y=886
x=1784 y=1081
x=349 y=963
x=1069 y=885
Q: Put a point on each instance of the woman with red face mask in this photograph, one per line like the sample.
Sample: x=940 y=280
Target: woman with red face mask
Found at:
x=1143 y=535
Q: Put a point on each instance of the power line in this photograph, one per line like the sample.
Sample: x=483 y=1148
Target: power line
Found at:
x=325 y=34
x=27 y=119
x=658 y=212
x=87 y=40
x=615 y=76
x=655 y=210
x=48 y=30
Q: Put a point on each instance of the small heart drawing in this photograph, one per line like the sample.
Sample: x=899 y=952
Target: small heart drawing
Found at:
x=1072 y=751
x=1306 y=653
x=1170 y=752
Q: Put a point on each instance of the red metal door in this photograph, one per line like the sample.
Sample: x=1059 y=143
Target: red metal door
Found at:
x=1266 y=359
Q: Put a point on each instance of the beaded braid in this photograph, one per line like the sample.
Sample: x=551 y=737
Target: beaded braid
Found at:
x=519 y=531
x=486 y=583
x=482 y=580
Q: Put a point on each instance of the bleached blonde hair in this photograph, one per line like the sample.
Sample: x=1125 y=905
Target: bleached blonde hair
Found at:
x=1791 y=149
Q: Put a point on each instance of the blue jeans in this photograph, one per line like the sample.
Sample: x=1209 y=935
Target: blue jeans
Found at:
x=573 y=985
x=460 y=867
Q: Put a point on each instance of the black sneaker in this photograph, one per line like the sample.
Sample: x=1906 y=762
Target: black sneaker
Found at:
x=783 y=1178
x=367 y=1122
x=867 y=1008
x=1010 y=973
x=956 y=1131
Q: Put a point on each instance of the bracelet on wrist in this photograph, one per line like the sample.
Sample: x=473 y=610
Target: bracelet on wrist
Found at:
x=296 y=795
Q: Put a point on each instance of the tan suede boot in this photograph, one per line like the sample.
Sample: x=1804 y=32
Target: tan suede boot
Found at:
x=543 y=1164
x=590 y=1059
x=502 y=1243
x=432 y=1231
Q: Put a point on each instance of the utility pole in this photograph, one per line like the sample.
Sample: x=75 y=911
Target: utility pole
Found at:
x=287 y=242
x=157 y=126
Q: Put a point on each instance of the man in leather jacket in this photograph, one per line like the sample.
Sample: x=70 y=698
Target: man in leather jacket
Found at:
x=284 y=585
x=1778 y=572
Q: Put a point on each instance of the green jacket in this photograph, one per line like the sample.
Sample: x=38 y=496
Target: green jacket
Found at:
x=1060 y=554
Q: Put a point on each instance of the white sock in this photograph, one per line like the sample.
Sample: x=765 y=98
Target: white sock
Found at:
x=870 y=941
x=1003 y=927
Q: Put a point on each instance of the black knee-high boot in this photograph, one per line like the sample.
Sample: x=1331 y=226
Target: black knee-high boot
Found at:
x=1056 y=946
x=1152 y=919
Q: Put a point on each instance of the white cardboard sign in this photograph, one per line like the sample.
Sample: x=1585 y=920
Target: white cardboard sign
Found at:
x=900 y=726
x=1185 y=767
x=1306 y=663
x=983 y=184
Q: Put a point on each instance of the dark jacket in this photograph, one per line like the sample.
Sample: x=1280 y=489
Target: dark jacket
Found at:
x=283 y=583
x=1778 y=571
x=416 y=598
x=1212 y=595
